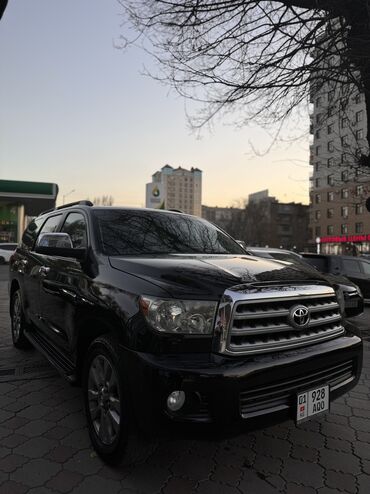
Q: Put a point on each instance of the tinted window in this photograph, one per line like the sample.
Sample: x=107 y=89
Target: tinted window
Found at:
x=366 y=267
x=350 y=266
x=125 y=232
x=75 y=226
x=9 y=247
x=51 y=224
x=30 y=234
x=320 y=263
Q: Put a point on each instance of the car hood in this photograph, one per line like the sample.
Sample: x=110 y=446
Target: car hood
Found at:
x=208 y=276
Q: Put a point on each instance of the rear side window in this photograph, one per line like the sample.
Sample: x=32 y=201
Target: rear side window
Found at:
x=319 y=262
x=30 y=234
x=350 y=266
x=75 y=226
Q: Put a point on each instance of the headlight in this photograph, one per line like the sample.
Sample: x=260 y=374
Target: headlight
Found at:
x=179 y=316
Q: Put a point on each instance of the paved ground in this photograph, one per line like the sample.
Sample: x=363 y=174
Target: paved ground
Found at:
x=44 y=445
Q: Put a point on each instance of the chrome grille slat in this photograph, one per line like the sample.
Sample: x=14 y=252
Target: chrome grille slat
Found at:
x=260 y=320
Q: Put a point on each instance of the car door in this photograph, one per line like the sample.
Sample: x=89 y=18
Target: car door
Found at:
x=29 y=263
x=352 y=269
x=60 y=290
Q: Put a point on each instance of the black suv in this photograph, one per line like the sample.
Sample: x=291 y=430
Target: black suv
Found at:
x=161 y=315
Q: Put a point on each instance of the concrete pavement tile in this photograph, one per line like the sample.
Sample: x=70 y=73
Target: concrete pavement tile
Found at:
x=36 y=428
x=11 y=462
x=61 y=454
x=298 y=489
x=35 y=447
x=266 y=465
x=340 y=462
x=339 y=445
x=210 y=487
x=33 y=412
x=4 y=416
x=85 y=462
x=252 y=483
x=193 y=467
x=15 y=423
x=98 y=485
x=179 y=486
x=363 y=484
x=57 y=432
x=303 y=473
x=36 y=472
x=341 y=481
x=148 y=480
x=11 y=487
x=306 y=454
x=65 y=481
x=227 y=474
x=78 y=439
x=13 y=440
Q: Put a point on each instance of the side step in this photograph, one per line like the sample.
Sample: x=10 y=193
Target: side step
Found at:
x=63 y=365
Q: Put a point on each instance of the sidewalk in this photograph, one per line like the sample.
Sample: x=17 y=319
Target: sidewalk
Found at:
x=44 y=444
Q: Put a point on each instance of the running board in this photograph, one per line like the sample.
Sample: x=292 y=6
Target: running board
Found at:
x=63 y=365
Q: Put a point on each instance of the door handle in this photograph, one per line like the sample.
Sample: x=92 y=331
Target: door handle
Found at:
x=44 y=270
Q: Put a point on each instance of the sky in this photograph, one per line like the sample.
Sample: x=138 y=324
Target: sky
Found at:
x=77 y=111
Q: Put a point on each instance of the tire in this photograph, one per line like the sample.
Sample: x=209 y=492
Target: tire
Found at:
x=18 y=324
x=107 y=405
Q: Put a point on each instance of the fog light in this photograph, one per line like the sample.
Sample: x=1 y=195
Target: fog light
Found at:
x=175 y=400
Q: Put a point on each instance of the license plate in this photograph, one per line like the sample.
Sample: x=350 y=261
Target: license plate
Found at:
x=312 y=402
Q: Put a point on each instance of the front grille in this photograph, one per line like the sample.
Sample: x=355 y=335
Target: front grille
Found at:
x=282 y=395
x=261 y=320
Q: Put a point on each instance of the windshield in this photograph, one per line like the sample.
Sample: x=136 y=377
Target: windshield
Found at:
x=138 y=232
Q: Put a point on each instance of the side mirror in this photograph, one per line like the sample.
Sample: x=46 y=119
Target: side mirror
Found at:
x=58 y=244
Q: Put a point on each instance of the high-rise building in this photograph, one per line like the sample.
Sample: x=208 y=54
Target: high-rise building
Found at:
x=176 y=188
x=339 y=186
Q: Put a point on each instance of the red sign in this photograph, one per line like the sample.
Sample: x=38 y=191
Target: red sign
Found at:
x=340 y=239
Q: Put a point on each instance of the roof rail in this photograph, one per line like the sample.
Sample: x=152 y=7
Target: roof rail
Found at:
x=76 y=203
x=176 y=210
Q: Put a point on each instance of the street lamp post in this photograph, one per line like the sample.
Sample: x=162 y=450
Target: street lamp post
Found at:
x=68 y=193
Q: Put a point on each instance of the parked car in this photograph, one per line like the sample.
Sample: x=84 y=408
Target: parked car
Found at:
x=353 y=298
x=356 y=269
x=6 y=250
x=162 y=316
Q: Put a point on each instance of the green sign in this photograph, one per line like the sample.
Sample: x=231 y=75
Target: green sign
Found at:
x=15 y=187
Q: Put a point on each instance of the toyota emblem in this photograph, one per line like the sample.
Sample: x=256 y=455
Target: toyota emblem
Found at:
x=299 y=316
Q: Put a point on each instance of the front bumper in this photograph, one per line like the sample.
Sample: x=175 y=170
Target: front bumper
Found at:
x=254 y=389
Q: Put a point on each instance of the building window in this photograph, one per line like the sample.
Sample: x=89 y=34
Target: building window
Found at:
x=359 y=190
x=317 y=198
x=344 y=123
x=330 y=213
x=330 y=128
x=331 y=146
x=318 y=231
x=344 y=211
x=330 y=162
x=317 y=182
x=318 y=118
x=359 y=116
x=318 y=150
x=344 y=141
x=344 y=228
x=330 y=179
x=359 y=208
x=317 y=166
x=358 y=98
x=343 y=158
x=317 y=215
x=318 y=102
x=330 y=230
x=331 y=111
x=318 y=134
x=359 y=227
x=359 y=134
x=330 y=196
x=331 y=93
x=344 y=193
x=344 y=176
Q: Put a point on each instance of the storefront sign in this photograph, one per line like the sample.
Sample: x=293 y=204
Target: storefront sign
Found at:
x=340 y=239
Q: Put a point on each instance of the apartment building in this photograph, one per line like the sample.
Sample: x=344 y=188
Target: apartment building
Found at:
x=176 y=188
x=339 y=186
